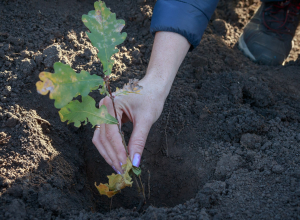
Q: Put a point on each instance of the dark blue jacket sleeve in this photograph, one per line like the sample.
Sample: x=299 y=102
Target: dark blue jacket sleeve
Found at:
x=186 y=17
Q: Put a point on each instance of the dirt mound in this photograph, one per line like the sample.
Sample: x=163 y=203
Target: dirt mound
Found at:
x=226 y=146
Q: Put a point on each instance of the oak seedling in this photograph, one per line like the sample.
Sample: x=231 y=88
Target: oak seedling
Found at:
x=65 y=84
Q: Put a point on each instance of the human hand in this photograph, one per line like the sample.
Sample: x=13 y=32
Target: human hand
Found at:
x=142 y=110
x=168 y=52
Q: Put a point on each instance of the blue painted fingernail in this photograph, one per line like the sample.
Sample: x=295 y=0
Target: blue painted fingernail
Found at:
x=136 y=160
x=114 y=169
x=118 y=172
x=123 y=170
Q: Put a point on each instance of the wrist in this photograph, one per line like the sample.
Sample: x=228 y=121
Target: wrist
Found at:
x=158 y=83
x=168 y=52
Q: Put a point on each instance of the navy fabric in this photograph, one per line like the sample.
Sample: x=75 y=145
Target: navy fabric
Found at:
x=186 y=17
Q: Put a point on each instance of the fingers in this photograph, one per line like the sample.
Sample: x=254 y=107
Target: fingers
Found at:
x=96 y=141
x=105 y=149
x=113 y=136
x=109 y=149
x=109 y=142
x=137 y=140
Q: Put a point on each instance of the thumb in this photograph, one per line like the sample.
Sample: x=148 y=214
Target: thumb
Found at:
x=137 y=141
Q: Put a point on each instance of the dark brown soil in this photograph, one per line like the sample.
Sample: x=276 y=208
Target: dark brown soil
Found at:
x=226 y=146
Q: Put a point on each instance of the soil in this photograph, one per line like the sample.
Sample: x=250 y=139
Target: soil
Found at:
x=226 y=146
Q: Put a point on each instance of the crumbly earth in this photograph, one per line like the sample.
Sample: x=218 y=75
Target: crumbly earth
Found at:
x=227 y=145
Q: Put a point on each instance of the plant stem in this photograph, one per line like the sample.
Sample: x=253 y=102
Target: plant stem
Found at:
x=141 y=191
x=143 y=188
x=119 y=126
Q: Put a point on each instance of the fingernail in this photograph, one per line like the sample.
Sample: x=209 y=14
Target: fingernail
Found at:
x=116 y=170
x=123 y=170
x=136 y=160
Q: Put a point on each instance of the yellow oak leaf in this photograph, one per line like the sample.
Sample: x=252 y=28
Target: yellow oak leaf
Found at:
x=116 y=182
x=104 y=190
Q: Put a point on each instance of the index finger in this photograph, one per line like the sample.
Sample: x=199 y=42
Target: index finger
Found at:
x=113 y=134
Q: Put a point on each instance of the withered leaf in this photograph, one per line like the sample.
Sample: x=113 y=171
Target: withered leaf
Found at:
x=104 y=190
x=116 y=182
x=131 y=87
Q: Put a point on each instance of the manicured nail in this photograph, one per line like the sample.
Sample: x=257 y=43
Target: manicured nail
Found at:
x=123 y=170
x=118 y=172
x=136 y=160
x=114 y=169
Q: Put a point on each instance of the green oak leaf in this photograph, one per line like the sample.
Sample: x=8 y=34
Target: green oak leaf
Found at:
x=137 y=170
x=105 y=33
x=78 y=112
x=65 y=84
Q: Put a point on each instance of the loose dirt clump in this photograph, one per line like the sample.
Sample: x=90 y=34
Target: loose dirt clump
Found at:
x=226 y=146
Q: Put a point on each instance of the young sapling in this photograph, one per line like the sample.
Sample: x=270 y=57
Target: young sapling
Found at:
x=65 y=84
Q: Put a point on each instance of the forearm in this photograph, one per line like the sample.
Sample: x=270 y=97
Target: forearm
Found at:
x=168 y=52
x=169 y=49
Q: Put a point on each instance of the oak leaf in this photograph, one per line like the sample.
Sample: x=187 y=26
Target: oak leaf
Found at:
x=116 y=182
x=136 y=170
x=105 y=33
x=131 y=87
x=78 y=112
x=65 y=84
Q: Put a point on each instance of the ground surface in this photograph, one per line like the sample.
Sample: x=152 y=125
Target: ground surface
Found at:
x=226 y=146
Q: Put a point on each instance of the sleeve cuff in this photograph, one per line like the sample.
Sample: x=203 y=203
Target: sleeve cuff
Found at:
x=181 y=18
